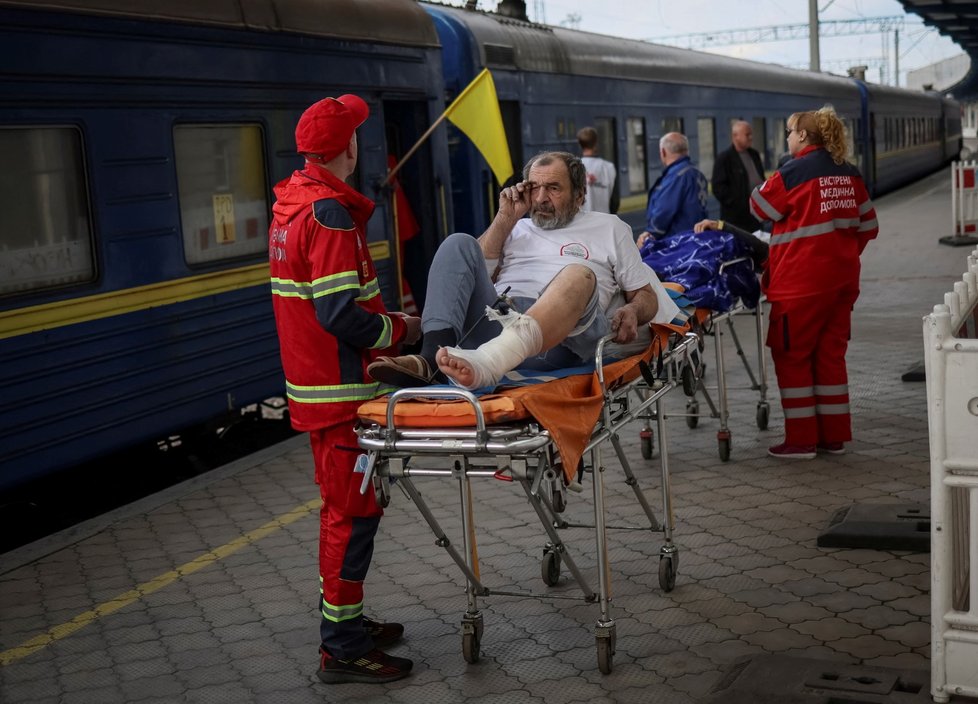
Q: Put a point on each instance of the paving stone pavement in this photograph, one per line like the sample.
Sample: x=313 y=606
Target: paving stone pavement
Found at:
x=208 y=591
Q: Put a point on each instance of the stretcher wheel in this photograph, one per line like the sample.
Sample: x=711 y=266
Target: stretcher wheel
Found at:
x=723 y=446
x=470 y=648
x=762 y=415
x=557 y=497
x=667 y=573
x=471 y=640
x=692 y=414
x=382 y=492
x=647 y=440
x=689 y=380
x=606 y=654
x=550 y=568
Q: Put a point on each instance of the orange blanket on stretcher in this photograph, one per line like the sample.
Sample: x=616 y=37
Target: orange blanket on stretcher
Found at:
x=568 y=407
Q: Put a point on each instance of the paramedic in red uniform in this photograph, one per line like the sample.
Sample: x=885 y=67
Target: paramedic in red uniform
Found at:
x=331 y=325
x=823 y=218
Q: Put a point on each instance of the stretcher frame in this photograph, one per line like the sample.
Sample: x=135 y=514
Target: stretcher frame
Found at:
x=694 y=377
x=525 y=453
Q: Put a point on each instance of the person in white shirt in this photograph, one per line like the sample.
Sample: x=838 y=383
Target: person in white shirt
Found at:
x=602 y=184
x=577 y=276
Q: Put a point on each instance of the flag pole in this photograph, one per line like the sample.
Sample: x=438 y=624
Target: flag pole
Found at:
x=417 y=145
x=412 y=150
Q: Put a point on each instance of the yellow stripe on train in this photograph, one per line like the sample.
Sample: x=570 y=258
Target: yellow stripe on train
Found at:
x=104 y=305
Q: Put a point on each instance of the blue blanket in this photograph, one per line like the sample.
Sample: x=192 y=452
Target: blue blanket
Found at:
x=694 y=259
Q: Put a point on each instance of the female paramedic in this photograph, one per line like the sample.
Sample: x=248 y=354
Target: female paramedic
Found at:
x=823 y=219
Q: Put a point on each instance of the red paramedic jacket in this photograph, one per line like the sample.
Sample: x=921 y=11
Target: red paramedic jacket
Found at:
x=823 y=218
x=331 y=320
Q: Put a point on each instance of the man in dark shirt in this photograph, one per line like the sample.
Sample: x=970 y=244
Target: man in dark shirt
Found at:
x=736 y=173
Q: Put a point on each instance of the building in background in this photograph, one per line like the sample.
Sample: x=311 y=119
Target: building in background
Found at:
x=942 y=76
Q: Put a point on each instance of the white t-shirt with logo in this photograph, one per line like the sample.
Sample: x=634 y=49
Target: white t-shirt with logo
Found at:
x=532 y=257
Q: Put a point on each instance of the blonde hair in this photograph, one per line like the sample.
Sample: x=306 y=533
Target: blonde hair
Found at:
x=824 y=129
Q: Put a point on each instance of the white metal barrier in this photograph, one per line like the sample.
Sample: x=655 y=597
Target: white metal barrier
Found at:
x=964 y=203
x=951 y=359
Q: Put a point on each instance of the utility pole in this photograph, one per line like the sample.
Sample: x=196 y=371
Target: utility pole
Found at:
x=896 y=57
x=813 y=63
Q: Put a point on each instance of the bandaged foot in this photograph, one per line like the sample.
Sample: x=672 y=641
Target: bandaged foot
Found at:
x=484 y=366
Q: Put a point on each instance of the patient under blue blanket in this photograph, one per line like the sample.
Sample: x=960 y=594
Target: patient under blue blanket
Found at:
x=694 y=259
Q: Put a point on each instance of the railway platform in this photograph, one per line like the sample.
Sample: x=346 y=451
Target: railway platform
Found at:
x=207 y=591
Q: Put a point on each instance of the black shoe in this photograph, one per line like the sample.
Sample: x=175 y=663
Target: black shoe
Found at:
x=374 y=666
x=383 y=634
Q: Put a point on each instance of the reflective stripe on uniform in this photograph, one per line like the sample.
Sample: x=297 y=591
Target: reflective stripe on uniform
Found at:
x=798 y=392
x=766 y=207
x=327 y=285
x=832 y=409
x=337 y=614
x=833 y=390
x=333 y=394
x=868 y=225
x=803 y=412
x=822 y=228
x=369 y=290
x=384 y=340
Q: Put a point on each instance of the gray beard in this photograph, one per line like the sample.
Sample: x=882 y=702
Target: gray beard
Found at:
x=558 y=220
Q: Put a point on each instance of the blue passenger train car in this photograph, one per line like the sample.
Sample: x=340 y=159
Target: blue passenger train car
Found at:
x=551 y=81
x=139 y=143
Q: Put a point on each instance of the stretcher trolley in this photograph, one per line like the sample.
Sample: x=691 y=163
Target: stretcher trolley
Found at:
x=719 y=324
x=532 y=436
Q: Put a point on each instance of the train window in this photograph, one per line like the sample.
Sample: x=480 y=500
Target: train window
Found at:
x=780 y=144
x=605 y=127
x=221 y=182
x=672 y=124
x=45 y=221
x=637 y=158
x=561 y=128
x=759 y=127
x=706 y=133
x=850 y=133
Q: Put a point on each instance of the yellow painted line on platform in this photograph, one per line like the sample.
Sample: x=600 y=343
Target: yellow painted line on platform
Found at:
x=63 y=630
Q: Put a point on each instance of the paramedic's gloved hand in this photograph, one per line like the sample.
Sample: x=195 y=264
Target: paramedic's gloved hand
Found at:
x=413 y=327
x=624 y=323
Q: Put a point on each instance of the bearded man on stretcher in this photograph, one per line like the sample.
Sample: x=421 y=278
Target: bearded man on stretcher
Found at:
x=578 y=277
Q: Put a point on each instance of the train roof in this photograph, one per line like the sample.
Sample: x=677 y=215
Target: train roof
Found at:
x=401 y=22
x=924 y=103
x=525 y=46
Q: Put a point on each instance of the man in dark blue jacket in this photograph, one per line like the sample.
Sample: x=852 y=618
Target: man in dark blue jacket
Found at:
x=677 y=200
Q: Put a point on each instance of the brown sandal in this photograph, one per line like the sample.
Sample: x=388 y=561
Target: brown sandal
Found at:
x=405 y=371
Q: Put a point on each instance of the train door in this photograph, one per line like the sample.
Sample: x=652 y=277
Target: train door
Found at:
x=706 y=136
x=607 y=141
x=759 y=127
x=512 y=124
x=869 y=171
x=634 y=180
x=413 y=205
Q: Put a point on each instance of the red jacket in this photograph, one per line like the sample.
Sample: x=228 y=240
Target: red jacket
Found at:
x=328 y=309
x=823 y=218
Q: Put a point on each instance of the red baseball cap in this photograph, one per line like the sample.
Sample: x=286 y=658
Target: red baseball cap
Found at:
x=326 y=127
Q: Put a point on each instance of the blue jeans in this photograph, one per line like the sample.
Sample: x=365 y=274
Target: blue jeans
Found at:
x=459 y=289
